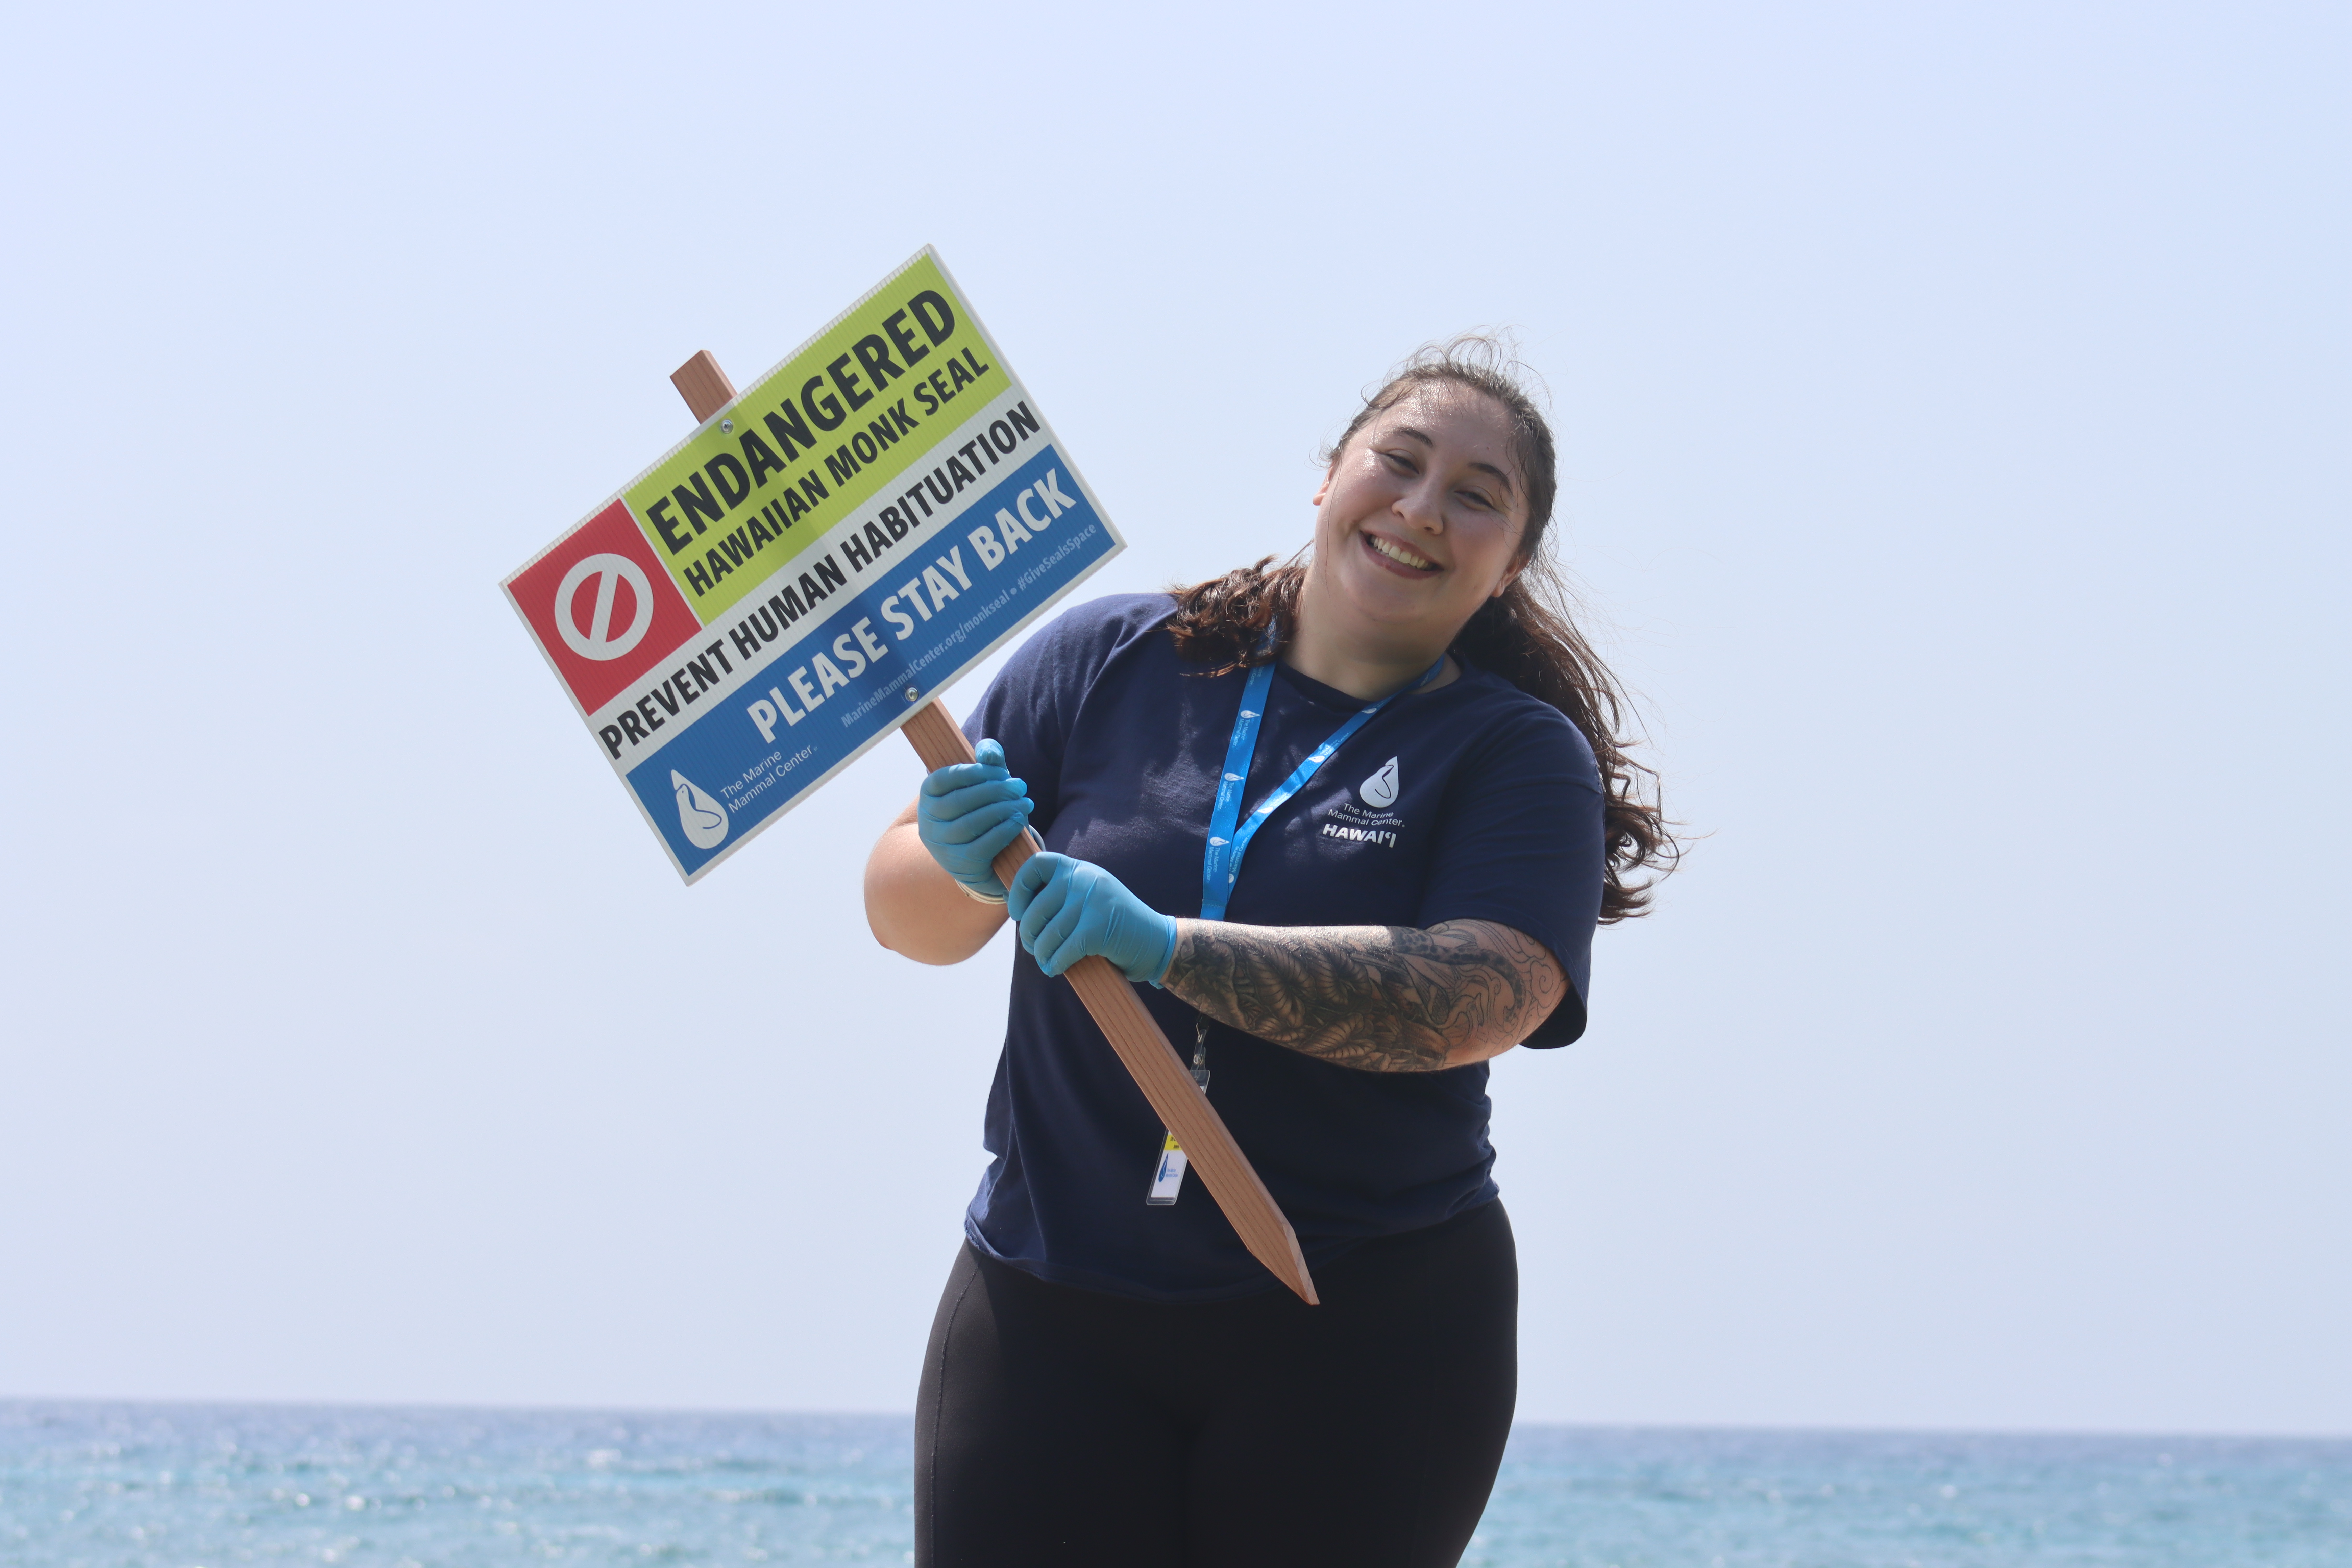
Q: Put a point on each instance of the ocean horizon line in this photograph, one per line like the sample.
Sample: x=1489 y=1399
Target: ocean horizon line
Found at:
x=624 y=1410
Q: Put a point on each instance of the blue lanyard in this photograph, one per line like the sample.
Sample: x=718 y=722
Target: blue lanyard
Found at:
x=1222 y=864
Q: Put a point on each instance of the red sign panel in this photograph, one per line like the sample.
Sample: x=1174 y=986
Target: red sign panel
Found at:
x=602 y=608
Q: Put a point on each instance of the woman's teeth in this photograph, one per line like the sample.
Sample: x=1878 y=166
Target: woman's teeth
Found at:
x=1399 y=553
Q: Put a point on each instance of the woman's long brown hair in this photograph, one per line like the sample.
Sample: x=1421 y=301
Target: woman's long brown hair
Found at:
x=1526 y=635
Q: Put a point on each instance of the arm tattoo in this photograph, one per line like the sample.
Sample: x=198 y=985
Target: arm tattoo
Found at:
x=1381 y=998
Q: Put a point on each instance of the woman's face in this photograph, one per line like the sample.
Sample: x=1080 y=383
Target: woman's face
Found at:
x=1422 y=514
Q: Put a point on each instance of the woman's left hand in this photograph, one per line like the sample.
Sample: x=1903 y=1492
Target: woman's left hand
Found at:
x=1069 y=909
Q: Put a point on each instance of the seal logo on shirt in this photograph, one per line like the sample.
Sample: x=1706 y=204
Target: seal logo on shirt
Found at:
x=1354 y=824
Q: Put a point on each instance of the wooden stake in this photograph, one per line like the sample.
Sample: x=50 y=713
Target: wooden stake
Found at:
x=703 y=384
x=1118 y=1011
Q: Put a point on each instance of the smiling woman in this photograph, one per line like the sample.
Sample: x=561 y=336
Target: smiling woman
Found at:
x=1412 y=756
x=1521 y=632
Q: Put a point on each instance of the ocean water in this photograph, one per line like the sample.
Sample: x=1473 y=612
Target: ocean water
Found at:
x=98 y=1486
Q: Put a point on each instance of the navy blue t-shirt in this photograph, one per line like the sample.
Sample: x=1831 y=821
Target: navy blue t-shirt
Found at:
x=1470 y=801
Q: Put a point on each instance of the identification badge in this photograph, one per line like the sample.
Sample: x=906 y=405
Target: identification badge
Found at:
x=1168 y=1175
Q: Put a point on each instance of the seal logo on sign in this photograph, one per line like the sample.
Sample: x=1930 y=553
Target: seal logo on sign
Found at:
x=703 y=819
x=597 y=642
x=1381 y=790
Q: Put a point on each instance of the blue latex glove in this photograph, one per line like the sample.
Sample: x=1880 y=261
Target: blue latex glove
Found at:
x=1071 y=909
x=966 y=813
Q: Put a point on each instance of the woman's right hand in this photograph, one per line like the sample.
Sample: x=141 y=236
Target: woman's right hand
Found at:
x=968 y=814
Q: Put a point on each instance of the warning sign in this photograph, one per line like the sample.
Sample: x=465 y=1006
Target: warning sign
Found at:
x=861 y=526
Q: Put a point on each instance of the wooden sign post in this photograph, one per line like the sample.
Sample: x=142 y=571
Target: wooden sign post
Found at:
x=1159 y=1072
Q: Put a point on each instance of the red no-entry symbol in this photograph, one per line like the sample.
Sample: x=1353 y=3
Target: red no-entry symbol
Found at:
x=602 y=606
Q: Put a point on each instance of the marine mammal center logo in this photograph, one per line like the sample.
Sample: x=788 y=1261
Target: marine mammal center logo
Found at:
x=702 y=819
x=1379 y=825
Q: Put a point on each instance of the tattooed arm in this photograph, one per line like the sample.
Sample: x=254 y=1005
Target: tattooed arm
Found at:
x=1381 y=998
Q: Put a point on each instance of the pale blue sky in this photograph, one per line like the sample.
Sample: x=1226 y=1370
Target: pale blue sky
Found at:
x=1953 y=400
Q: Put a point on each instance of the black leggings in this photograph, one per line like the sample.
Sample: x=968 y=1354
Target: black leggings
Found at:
x=1057 y=1425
